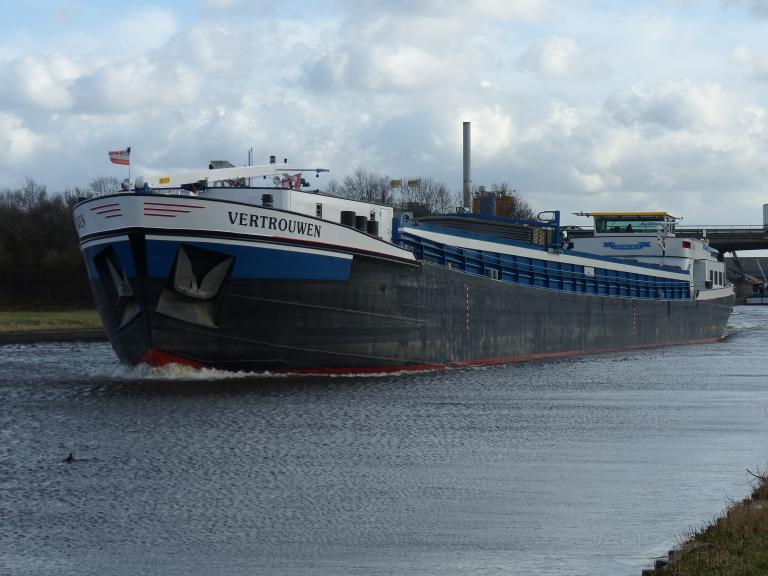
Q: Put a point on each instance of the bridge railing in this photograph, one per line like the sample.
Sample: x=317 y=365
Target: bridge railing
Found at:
x=725 y=232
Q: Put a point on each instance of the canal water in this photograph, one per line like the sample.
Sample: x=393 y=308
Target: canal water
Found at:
x=591 y=466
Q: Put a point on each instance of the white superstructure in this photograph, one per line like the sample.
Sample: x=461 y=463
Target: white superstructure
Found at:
x=649 y=237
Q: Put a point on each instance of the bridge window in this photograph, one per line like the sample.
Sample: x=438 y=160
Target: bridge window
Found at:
x=631 y=224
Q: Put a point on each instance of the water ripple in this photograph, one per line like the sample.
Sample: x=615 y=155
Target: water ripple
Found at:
x=591 y=464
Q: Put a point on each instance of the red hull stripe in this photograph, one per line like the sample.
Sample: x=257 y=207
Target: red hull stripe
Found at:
x=163 y=215
x=113 y=216
x=108 y=211
x=105 y=206
x=157 y=358
x=166 y=210
x=174 y=205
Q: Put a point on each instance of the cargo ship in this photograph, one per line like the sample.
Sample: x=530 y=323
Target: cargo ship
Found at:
x=203 y=269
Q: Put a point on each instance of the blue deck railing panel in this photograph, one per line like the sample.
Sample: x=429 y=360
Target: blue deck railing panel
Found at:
x=564 y=277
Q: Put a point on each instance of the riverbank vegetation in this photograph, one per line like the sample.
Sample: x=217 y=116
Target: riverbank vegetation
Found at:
x=48 y=320
x=40 y=262
x=735 y=544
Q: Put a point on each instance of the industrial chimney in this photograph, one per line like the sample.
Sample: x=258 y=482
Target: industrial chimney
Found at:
x=467 y=170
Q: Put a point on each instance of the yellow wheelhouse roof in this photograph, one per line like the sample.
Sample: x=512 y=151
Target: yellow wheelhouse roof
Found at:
x=633 y=214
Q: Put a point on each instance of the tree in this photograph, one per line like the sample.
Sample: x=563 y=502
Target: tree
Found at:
x=104 y=185
x=422 y=195
x=333 y=188
x=25 y=198
x=40 y=261
x=425 y=195
x=364 y=186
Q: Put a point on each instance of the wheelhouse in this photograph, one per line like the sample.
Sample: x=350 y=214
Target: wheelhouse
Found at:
x=638 y=223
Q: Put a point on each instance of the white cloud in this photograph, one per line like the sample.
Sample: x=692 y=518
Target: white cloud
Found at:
x=17 y=142
x=395 y=53
x=562 y=57
x=591 y=116
x=525 y=10
x=589 y=183
x=39 y=81
x=758 y=8
x=681 y=106
x=410 y=68
x=147 y=29
x=756 y=65
x=221 y=4
x=513 y=9
x=493 y=130
x=683 y=138
x=239 y=7
x=127 y=33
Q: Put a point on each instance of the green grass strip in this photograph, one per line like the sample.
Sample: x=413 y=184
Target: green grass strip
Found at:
x=44 y=320
x=735 y=544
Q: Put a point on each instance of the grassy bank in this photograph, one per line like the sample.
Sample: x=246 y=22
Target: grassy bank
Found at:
x=736 y=544
x=48 y=320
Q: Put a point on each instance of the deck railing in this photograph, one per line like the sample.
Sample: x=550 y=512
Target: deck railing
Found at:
x=546 y=273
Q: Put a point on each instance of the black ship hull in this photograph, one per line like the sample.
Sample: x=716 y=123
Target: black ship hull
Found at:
x=378 y=314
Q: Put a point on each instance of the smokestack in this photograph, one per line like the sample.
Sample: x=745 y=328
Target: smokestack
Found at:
x=467 y=168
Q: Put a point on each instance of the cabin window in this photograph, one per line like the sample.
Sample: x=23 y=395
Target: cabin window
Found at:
x=319 y=210
x=630 y=224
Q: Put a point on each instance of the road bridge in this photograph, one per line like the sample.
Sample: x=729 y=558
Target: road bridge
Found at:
x=726 y=238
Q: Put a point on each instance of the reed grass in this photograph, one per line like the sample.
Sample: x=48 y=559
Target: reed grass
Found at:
x=735 y=544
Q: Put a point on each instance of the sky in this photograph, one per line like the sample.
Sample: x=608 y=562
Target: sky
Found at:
x=580 y=105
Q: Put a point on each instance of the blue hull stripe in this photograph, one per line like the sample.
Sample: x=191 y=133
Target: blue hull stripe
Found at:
x=255 y=261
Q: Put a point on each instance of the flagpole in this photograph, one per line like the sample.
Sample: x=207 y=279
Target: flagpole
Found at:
x=129 y=167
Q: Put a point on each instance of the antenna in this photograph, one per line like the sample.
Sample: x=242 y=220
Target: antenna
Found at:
x=250 y=163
